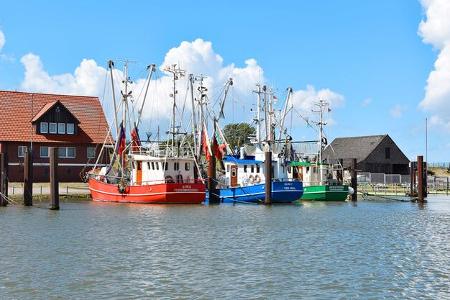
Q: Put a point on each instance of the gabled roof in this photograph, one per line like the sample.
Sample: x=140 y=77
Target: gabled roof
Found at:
x=18 y=109
x=47 y=107
x=358 y=147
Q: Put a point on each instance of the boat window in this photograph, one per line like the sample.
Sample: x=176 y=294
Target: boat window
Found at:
x=289 y=169
x=257 y=169
x=157 y=165
x=153 y=165
x=252 y=169
x=176 y=166
x=233 y=172
x=166 y=166
x=245 y=168
x=148 y=165
x=228 y=168
x=187 y=166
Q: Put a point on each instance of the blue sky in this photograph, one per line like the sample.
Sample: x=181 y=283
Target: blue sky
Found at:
x=368 y=52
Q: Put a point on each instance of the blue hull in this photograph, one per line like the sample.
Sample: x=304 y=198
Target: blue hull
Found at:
x=282 y=192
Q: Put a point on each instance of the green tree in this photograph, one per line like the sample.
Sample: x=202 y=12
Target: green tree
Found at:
x=238 y=134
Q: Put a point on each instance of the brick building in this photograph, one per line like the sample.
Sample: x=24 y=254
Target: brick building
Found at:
x=74 y=124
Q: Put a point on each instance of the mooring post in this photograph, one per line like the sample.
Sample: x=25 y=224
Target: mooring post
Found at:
x=54 y=185
x=212 y=181
x=420 y=177
x=354 y=181
x=425 y=179
x=268 y=177
x=412 y=174
x=28 y=178
x=3 y=179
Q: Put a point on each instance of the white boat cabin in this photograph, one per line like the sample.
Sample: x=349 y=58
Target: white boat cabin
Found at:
x=147 y=169
x=311 y=173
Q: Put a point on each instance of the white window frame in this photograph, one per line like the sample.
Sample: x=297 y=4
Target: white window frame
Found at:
x=41 y=128
x=73 y=128
x=21 y=153
x=49 y=128
x=63 y=127
x=40 y=151
x=66 y=152
x=90 y=149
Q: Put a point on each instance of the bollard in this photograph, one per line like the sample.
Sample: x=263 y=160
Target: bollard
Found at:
x=268 y=177
x=54 y=185
x=354 y=181
x=3 y=179
x=28 y=178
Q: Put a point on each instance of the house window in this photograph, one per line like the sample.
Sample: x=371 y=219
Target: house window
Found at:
x=90 y=152
x=44 y=127
x=61 y=128
x=66 y=152
x=70 y=128
x=52 y=128
x=245 y=168
x=387 y=153
x=21 y=151
x=43 y=151
x=187 y=166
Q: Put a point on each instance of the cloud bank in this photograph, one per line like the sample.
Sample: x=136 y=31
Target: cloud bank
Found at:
x=196 y=57
x=435 y=30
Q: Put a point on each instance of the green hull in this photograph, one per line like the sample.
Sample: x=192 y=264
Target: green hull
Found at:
x=325 y=193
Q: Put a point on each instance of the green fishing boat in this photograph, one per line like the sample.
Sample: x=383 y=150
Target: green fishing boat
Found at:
x=321 y=181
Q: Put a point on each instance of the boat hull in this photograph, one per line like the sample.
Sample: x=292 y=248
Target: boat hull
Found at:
x=325 y=193
x=162 y=193
x=282 y=192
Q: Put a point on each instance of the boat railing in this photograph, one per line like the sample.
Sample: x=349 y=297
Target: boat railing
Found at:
x=117 y=179
x=161 y=151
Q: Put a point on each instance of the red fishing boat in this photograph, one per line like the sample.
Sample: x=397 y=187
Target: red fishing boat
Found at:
x=155 y=173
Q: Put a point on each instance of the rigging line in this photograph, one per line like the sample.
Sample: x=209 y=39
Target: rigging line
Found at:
x=305 y=119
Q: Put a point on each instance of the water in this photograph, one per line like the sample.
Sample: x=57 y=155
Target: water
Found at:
x=371 y=250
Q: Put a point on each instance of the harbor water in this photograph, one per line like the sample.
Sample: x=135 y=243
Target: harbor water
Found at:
x=368 y=250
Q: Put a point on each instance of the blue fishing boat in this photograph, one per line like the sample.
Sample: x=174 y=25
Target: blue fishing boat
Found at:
x=243 y=181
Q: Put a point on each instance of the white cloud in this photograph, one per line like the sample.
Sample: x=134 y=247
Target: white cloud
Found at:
x=196 y=57
x=397 y=111
x=304 y=101
x=435 y=30
x=2 y=40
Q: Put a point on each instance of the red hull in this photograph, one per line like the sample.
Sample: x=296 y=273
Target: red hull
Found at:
x=162 y=193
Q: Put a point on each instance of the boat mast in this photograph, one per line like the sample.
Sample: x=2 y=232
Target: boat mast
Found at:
x=125 y=95
x=258 y=113
x=194 y=115
x=322 y=104
x=285 y=111
x=177 y=73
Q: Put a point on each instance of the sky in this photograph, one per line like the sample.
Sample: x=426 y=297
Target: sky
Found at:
x=384 y=66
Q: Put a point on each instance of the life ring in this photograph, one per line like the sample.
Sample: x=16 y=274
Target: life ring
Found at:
x=257 y=179
x=179 y=178
x=169 y=179
x=251 y=179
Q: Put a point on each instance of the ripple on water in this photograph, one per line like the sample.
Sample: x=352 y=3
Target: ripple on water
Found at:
x=327 y=251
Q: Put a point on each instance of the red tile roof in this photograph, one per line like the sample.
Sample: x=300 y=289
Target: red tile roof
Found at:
x=17 y=109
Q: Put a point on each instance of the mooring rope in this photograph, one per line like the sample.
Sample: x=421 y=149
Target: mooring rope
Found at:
x=9 y=200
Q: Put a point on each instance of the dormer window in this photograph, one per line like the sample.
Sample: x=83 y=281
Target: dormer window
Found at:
x=70 y=128
x=44 y=127
x=61 y=128
x=52 y=128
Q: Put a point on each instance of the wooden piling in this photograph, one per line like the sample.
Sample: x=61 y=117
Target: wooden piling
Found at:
x=54 y=185
x=420 y=181
x=3 y=179
x=354 y=181
x=28 y=178
x=412 y=175
x=268 y=177
x=212 y=181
